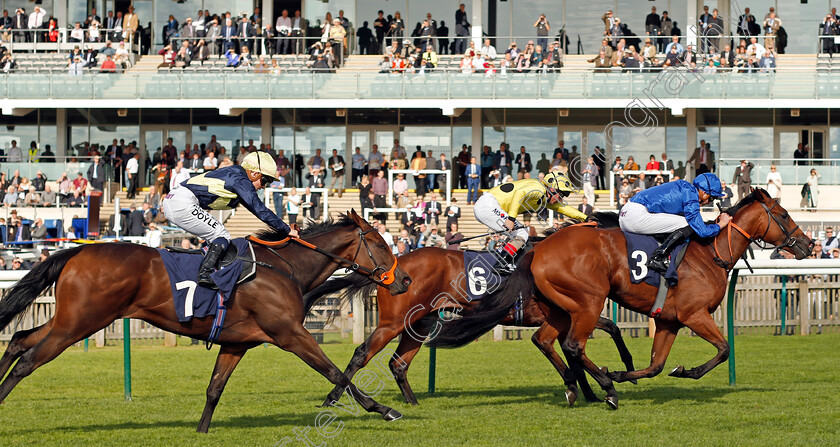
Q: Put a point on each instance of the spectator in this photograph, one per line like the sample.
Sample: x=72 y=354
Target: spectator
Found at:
x=336 y=163
x=830 y=242
x=168 y=57
x=488 y=50
x=585 y=207
x=40 y=181
x=121 y=56
x=726 y=199
x=543 y=28
x=462 y=29
x=154 y=235
x=453 y=237
x=32 y=198
x=434 y=239
x=10 y=199
x=523 y=164
x=132 y=169
x=418 y=163
x=473 y=174
x=76 y=199
x=589 y=178
x=401 y=191
x=453 y=213
x=624 y=192
x=96 y=173
x=292 y=206
x=811 y=194
x=210 y=161
x=80 y=183
x=48 y=197
x=631 y=164
x=389 y=239
x=40 y=230
x=602 y=62
x=742 y=178
x=774 y=183
x=108 y=65
x=441 y=165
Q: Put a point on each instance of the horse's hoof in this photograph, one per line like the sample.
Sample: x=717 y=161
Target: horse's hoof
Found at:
x=571 y=397
x=677 y=372
x=392 y=415
x=327 y=403
x=634 y=381
x=612 y=402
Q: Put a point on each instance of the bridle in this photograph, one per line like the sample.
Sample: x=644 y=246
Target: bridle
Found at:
x=790 y=240
x=385 y=279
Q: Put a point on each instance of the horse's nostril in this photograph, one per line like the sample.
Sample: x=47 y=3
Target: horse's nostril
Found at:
x=407 y=282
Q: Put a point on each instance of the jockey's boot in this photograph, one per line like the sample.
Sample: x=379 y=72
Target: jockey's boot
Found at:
x=660 y=258
x=208 y=265
x=507 y=255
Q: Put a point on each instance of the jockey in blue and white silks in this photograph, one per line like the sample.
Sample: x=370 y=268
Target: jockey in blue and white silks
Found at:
x=222 y=189
x=672 y=207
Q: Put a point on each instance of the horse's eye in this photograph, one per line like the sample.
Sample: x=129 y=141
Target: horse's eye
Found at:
x=382 y=246
x=785 y=215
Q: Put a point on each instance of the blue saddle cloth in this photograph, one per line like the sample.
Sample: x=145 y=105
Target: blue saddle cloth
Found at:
x=481 y=277
x=192 y=300
x=639 y=248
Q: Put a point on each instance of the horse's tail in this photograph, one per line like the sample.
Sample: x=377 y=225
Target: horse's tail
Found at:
x=355 y=283
x=490 y=310
x=24 y=292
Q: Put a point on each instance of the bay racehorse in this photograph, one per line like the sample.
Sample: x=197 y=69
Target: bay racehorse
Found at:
x=96 y=284
x=578 y=268
x=439 y=284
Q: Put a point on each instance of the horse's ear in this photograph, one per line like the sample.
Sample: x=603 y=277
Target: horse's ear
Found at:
x=353 y=215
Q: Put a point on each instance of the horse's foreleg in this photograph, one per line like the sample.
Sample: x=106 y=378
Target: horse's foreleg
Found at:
x=380 y=337
x=609 y=327
x=703 y=324
x=663 y=339
x=226 y=362
x=21 y=342
x=296 y=339
x=406 y=351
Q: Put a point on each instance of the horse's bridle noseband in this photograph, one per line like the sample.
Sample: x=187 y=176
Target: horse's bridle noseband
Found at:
x=387 y=277
x=790 y=240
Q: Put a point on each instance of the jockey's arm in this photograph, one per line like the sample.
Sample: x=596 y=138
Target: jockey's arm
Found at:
x=251 y=201
x=567 y=210
x=691 y=211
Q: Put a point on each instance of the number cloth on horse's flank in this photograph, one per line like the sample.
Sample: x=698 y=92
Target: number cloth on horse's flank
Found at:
x=639 y=248
x=481 y=277
x=192 y=300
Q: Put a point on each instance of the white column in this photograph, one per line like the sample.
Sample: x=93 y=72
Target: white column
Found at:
x=358 y=320
x=268 y=12
x=60 y=132
x=690 y=139
x=477 y=133
x=691 y=28
x=477 y=21
x=265 y=126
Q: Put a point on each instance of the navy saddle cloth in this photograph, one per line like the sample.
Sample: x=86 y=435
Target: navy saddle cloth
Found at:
x=481 y=276
x=639 y=248
x=192 y=300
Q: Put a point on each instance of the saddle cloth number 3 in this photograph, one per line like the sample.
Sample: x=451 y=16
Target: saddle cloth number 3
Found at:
x=640 y=270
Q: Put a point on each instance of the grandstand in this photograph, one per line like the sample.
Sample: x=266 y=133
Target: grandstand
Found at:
x=771 y=105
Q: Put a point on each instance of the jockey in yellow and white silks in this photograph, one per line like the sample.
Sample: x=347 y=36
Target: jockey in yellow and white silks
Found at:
x=498 y=207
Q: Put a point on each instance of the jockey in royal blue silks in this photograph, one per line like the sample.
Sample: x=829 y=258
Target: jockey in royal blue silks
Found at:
x=222 y=189
x=672 y=207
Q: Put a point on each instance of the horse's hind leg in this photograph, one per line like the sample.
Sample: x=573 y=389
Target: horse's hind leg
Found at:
x=703 y=324
x=581 y=326
x=21 y=342
x=226 y=362
x=295 y=339
x=544 y=339
x=48 y=348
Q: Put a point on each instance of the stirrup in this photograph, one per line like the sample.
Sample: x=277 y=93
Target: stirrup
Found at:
x=206 y=281
x=659 y=265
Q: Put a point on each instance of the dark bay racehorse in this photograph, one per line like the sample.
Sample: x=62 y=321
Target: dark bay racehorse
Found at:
x=439 y=284
x=578 y=268
x=96 y=284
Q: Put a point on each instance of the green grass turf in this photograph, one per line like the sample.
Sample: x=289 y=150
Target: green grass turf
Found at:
x=489 y=393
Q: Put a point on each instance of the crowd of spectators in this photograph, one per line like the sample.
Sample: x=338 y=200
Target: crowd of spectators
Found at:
x=662 y=47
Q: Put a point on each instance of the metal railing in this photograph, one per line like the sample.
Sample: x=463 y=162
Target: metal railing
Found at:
x=792 y=170
x=34 y=40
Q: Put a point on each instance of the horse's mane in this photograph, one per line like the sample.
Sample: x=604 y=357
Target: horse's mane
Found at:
x=756 y=195
x=604 y=219
x=312 y=228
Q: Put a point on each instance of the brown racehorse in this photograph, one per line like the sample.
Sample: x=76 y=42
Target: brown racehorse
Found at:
x=96 y=284
x=594 y=267
x=439 y=284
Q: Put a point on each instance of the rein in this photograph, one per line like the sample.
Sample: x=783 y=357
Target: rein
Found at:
x=386 y=278
x=790 y=241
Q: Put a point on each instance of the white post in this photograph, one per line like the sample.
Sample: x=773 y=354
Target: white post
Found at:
x=477 y=20
x=358 y=320
x=117 y=217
